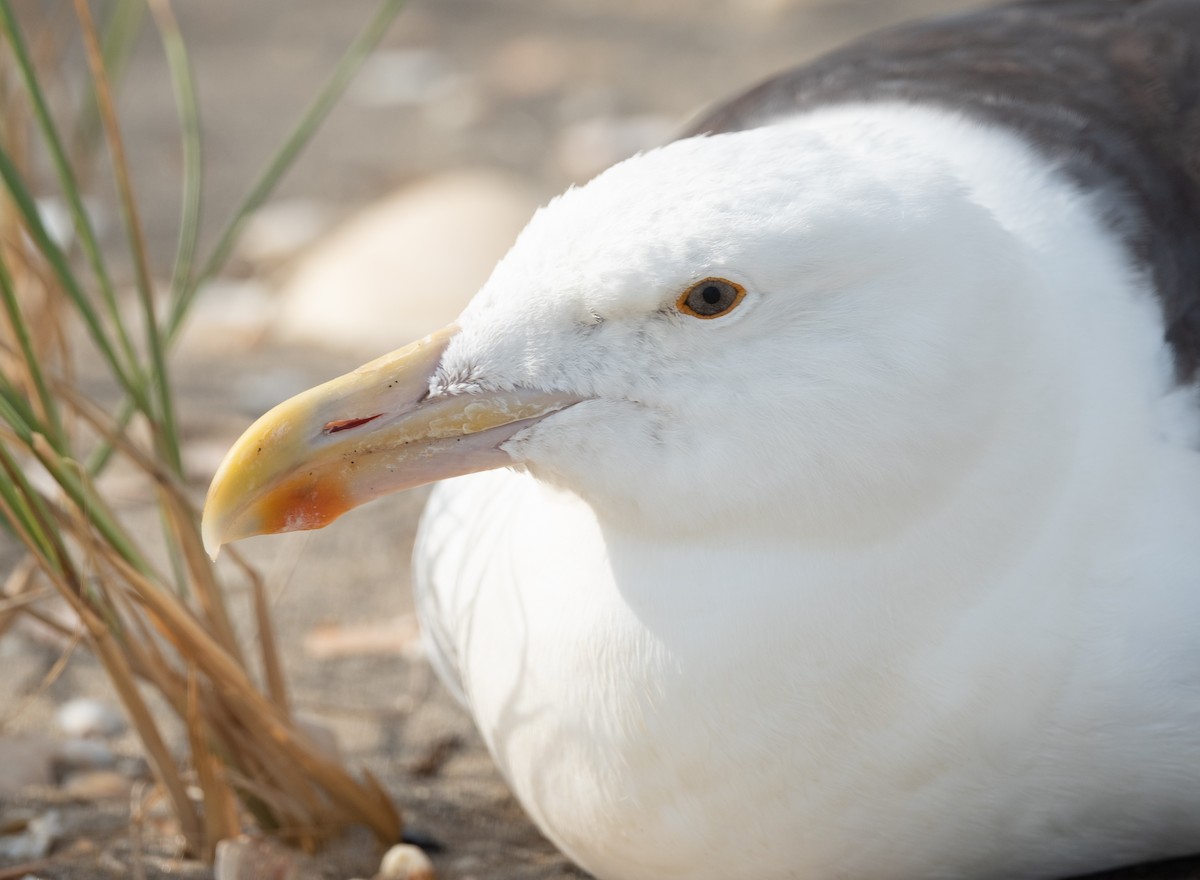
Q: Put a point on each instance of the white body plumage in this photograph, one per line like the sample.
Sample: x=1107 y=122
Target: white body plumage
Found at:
x=892 y=573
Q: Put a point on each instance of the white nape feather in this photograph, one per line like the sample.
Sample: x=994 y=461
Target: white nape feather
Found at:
x=891 y=573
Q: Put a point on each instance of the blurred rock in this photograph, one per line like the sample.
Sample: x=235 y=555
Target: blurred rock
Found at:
x=405 y=266
x=281 y=229
x=77 y=754
x=322 y=735
x=398 y=77
x=133 y=767
x=228 y=315
x=33 y=840
x=419 y=77
x=461 y=107
x=247 y=858
x=528 y=67
x=97 y=785
x=86 y=717
x=25 y=762
x=588 y=147
x=405 y=862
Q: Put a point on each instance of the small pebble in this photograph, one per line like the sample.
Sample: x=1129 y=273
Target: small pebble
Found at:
x=34 y=841
x=322 y=735
x=133 y=767
x=96 y=785
x=248 y=858
x=82 y=754
x=405 y=862
x=84 y=717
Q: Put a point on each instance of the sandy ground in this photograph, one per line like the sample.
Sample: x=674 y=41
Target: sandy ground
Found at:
x=511 y=86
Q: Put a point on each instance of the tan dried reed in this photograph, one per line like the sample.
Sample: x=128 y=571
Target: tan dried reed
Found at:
x=153 y=631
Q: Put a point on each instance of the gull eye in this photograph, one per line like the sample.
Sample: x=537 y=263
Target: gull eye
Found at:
x=710 y=298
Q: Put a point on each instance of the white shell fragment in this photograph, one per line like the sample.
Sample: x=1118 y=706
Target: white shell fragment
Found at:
x=405 y=862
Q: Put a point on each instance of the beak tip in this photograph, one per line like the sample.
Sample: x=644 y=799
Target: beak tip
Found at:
x=210 y=538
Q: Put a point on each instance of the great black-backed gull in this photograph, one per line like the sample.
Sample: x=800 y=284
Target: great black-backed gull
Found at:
x=854 y=528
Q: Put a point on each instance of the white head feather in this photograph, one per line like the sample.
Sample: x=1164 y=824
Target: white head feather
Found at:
x=865 y=365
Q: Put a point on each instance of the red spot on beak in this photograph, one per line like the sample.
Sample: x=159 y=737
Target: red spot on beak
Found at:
x=346 y=424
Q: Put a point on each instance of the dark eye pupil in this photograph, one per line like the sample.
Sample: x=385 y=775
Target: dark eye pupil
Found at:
x=710 y=298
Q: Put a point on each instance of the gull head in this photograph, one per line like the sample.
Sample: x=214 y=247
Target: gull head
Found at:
x=773 y=329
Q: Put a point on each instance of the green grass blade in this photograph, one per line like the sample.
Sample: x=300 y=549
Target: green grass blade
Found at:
x=66 y=177
x=166 y=434
x=103 y=453
x=70 y=478
x=16 y=411
x=121 y=29
x=187 y=106
x=16 y=320
x=32 y=220
x=20 y=513
x=27 y=507
x=183 y=84
x=184 y=286
x=282 y=160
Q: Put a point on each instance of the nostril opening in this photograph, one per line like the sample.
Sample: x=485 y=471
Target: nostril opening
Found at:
x=346 y=424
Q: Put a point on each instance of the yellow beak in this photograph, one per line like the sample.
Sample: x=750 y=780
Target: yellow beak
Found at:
x=369 y=433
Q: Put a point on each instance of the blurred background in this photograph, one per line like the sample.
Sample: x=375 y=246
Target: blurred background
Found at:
x=469 y=115
x=548 y=91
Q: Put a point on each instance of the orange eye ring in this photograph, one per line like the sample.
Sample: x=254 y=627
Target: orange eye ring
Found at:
x=710 y=298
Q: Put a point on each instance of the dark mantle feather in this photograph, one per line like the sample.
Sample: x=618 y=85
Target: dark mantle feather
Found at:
x=1108 y=90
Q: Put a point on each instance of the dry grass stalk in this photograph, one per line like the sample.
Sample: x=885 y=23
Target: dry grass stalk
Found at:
x=169 y=634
